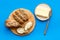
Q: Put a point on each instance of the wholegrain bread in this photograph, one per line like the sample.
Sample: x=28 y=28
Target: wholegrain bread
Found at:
x=20 y=18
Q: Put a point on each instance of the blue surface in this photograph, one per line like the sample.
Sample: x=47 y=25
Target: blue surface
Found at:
x=7 y=6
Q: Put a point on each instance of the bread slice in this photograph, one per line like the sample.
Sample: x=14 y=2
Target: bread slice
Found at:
x=42 y=11
x=22 y=17
x=20 y=30
x=28 y=25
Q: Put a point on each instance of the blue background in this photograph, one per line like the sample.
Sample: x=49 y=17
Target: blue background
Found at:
x=53 y=33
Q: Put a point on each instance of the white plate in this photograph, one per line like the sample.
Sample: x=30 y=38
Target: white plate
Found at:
x=41 y=18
